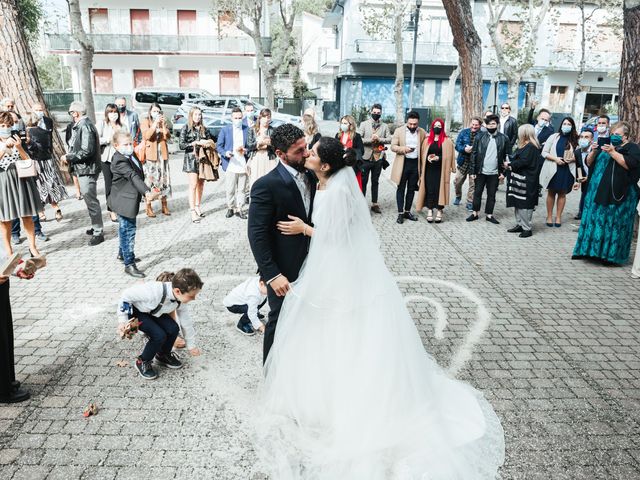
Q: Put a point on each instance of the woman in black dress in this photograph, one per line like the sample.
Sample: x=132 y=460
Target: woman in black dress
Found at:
x=10 y=391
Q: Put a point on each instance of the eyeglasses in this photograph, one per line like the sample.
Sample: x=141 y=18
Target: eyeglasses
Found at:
x=505 y=108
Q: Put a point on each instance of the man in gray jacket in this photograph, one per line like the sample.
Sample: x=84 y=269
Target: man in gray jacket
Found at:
x=84 y=155
x=375 y=136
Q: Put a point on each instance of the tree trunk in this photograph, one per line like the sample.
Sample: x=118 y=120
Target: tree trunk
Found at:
x=86 y=57
x=469 y=46
x=581 y=69
x=18 y=75
x=269 y=87
x=453 y=78
x=512 y=91
x=629 y=107
x=399 y=84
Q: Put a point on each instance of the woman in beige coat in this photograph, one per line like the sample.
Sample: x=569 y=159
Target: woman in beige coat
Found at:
x=156 y=133
x=437 y=163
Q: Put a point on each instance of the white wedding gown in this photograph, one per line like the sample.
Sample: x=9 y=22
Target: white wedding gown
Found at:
x=349 y=391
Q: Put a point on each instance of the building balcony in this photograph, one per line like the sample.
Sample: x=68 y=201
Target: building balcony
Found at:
x=596 y=61
x=381 y=51
x=164 y=44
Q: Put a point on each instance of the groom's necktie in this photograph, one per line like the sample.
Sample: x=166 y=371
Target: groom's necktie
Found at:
x=303 y=186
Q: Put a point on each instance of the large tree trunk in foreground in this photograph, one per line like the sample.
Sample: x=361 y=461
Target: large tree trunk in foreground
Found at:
x=629 y=107
x=86 y=57
x=467 y=42
x=18 y=75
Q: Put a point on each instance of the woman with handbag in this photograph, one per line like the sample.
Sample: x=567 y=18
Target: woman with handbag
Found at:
x=106 y=129
x=155 y=155
x=262 y=158
x=193 y=135
x=19 y=197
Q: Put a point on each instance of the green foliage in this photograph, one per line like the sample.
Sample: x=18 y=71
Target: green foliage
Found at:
x=523 y=116
x=50 y=69
x=360 y=113
x=377 y=16
x=316 y=7
x=30 y=13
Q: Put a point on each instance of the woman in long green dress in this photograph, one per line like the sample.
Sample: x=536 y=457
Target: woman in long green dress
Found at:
x=606 y=229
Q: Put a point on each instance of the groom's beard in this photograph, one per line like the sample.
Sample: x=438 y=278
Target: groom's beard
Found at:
x=298 y=166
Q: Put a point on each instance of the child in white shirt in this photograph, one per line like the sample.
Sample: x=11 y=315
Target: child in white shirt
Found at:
x=158 y=306
x=246 y=299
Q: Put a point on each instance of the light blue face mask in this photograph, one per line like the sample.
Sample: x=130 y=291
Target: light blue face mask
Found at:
x=584 y=142
x=126 y=151
x=344 y=127
x=5 y=132
x=566 y=129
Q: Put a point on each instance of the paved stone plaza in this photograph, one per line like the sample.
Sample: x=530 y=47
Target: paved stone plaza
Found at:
x=558 y=362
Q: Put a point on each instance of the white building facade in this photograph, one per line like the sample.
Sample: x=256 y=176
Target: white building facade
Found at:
x=365 y=67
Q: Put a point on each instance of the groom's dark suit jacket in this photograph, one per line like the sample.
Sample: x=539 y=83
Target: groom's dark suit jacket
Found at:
x=273 y=198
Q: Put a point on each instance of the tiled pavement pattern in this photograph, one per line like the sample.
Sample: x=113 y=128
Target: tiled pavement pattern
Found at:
x=559 y=362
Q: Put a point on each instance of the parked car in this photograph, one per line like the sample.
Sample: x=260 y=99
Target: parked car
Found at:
x=224 y=106
x=168 y=98
x=212 y=123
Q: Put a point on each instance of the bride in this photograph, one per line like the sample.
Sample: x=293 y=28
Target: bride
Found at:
x=349 y=391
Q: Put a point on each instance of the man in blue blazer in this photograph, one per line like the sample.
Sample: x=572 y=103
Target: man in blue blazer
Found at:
x=542 y=124
x=232 y=147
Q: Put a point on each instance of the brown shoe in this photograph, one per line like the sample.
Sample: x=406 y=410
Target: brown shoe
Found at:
x=375 y=209
x=150 y=212
x=165 y=207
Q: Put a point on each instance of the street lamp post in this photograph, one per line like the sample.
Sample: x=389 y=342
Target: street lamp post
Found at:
x=415 y=46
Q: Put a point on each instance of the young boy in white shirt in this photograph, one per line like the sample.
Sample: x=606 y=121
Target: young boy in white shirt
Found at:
x=246 y=299
x=158 y=306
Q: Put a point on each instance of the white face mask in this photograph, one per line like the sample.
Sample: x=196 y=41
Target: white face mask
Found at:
x=237 y=122
x=155 y=115
x=39 y=115
x=344 y=127
x=602 y=129
x=113 y=116
x=126 y=150
x=542 y=123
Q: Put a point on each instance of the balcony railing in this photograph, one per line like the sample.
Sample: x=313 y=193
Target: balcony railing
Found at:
x=166 y=44
x=375 y=51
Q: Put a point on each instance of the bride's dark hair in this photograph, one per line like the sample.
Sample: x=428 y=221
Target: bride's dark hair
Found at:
x=333 y=153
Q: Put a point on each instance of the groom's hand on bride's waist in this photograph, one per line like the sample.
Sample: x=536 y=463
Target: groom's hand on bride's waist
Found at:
x=280 y=285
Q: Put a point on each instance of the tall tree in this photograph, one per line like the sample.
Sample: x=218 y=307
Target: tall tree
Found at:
x=375 y=21
x=515 y=41
x=469 y=46
x=18 y=75
x=272 y=54
x=630 y=67
x=86 y=56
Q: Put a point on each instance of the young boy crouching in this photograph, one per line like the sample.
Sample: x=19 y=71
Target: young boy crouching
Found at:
x=158 y=306
x=246 y=299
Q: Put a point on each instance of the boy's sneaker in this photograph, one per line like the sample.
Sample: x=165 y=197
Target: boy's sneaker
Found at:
x=457 y=200
x=169 y=360
x=145 y=369
x=245 y=329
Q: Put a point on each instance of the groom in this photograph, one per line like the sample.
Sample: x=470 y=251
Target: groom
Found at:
x=288 y=189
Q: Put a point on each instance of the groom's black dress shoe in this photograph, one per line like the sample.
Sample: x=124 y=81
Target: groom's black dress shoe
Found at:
x=400 y=219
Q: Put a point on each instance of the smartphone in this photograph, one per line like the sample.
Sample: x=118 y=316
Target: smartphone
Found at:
x=412 y=149
x=10 y=265
x=604 y=141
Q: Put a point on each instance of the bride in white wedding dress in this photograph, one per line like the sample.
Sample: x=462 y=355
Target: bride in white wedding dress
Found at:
x=349 y=391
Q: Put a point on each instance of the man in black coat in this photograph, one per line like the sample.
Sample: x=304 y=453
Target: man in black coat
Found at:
x=288 y=189
x=127 y=189
x=583 y=170
x=487 y=167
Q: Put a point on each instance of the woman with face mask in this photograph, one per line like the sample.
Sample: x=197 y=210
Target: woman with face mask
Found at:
x=558 y=172
x=262 y=158
x=155 y=134
x=350 y=138
x=435 y=169
x=39 y=145
x=606 y=229
x=107 y=128
x=19 y=197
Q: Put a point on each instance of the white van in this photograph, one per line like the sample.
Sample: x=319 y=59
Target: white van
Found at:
x=168 y=98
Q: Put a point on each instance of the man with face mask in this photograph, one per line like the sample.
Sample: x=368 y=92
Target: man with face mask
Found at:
x=487 y=167
x=129 y=119
x=287 y=190
x=9 y=105
x=375 y=135
x=232 y=147
x=542 y=124
x=127 y=190
x=602 y=127
x=464 y=147
x=581 y=153
x=84 y=156
x=406 y=143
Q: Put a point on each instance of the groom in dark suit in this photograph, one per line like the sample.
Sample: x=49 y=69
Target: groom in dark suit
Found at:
x=288 y=189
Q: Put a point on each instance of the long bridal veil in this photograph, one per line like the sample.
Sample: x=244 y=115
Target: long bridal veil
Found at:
x=349 y=391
